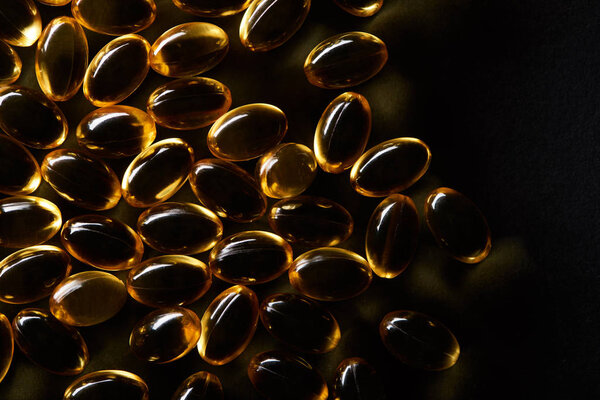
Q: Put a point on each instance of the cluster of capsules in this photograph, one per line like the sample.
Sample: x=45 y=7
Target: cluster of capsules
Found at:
x=223 y=189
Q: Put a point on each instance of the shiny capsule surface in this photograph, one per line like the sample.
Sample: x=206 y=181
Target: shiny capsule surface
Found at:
x=342 y=133
x=157 y=173
x=212 y=8
x=268 y=24
x=458 y=225
x=418 y=340
x=7 y=346
x=356 y=379
x=114 y=17
x=49 y=343
x=19 y=170
x=108 y=384
x=345 y=60
x=165 y=335
x=200 y=386
x=360 y=8
x=55 y=2
x=228 y=325
x=10 y=64
x=27 y=221
x=20 y=22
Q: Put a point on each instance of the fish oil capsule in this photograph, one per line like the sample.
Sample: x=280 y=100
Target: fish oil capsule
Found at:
x=7 y=346
x=419 y=341
x=330 y=274
x=157 y=173
x=20 y=22
x=114 y=17
x=31 y=118
x=228 y=190
x=108 y=384
x=27 y=220
x=281 y=375
x=392 y=236
x=165 y=335
x=189 y=103
x=117 y=70
x=212 y=8
x=360 y=8
x=250 y=257
x=228 y=325
x=10 y=64
x=299 y=322
x=457 y=225
x=389 y=167
x=31 y=274
x=116 y=131
x=49 y=343
x=189 y=49
x=311 y=221
x=355 y=379
x=268 y=24
x=19 y=170
x=345 y=60
x=87 y=182
x=200 y=386
x=102 y=242
x=61 y=58
x=342 y=132
x=55 y=2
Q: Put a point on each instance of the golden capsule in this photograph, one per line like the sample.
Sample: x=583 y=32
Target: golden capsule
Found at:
x=108 y=384
x=157 y=173
x=189 y=103
x=356 y=379
x=418 y=340
x=7 y=346
x=31 y=274
x=268 y=24
x=457 y=225
x=200 y=386
x=55 y=2
x=228 y=190
x=360 y=8
x=165 y=335
x=19 y=171
x=27 y=221
x=117 y=70
x=212 y=8
x=345 y=60
x=228 y=325
x=20 y=22
x=10 y=64
x=114 y=17
x=47 y=342
x=342 y=132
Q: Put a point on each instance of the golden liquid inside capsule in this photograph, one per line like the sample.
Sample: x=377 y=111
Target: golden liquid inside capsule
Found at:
x=212 y=8
x=114 y=17
x=419 y=341
x=31 y=274
x=360 y=8
x=7 y=346
x=228 y=325
x=20 y=22
x=189 y=103
x=345 y=60
x=342 y=132
x=268 y=24
x=19 y=171
x=165 y=335
x=200 y=386
x=10 y=64
x=55 y=2
x=108 y=384
x=61 y=58
x=27 y=221
x=355 y=379
x=457 y=225
x=117 y=70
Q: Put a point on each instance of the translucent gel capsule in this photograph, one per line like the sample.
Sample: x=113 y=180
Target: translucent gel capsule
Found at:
x=355 y=379
x=189 y=103
x=108 y=384
x=330 y=274
x=200 y=386
x=311 y=221
x=390 y=167
x=360 y=8
x=61 y=58
x=250 y=257
x=10 y=64
x=114 y=17
x=49 y=343
x=247 y=132
x=165 y=335
x=157 y=173
x=418 y=340
x=87 y=182
x=7 y=346
x=268 y=24
x=20 y=22
x=345 y=60
x=19 y=170
x=457 y=225
x=228 y=325
x=342 y=132
x=55 y=2
x=212 y=8
x=27 y=220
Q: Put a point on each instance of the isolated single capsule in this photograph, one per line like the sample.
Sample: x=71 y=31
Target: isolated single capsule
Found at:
x=114 y=17
x=311 y=221
x=457 y=225
x=418 y=340
x=108 y=384
x=7 y=345
x=228 y=325
x=55 y=3
x=165 y=335
x=342 y=133
x=157 y=173
x=27 y=220
x=19 y=170
x=47 y=342
x=356 y=379
x=10 y=64
x=360 y=8
x=345 y=60
x=20 y=22
x=200 y=386
x=212 y=8
x=268 y=24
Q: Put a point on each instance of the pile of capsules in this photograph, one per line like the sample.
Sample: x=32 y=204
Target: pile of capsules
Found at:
x=223 y=189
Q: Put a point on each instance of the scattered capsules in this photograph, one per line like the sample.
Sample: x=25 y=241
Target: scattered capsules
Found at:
x=19 y=172
x=10 y=64
x=108 y=384
x=200 y=386
x=20 y=22
x=27 y=221
x=7 y=345
x=360 y=8
x=212 y=8
x=356 y=379
x=114 y=17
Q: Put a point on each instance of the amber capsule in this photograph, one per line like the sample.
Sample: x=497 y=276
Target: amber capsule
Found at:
x=342 y=132
x=355 y=379
x=19 y=170
x=228 y=325
x=20 y=22
x=7 y=345
x=49 y=343
x=212 y=8
x=200 y=386
x=114 y=17
x=157 y=173
x=345 y=60
x=27 y=220
x=55 y=3
x=10 y=64
x=108 y=384
x=165 y=335
x=360 y=8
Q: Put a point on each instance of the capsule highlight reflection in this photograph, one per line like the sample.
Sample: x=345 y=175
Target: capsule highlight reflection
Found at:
x=20 y=22
x=212 y=8
x=356 y=379
x=27 y=221
x=108 y=384
x=360 y=8
x=7 y=347
x=114 y=17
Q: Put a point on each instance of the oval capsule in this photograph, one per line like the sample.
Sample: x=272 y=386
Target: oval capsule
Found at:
x=108 y=384
x=19 y=171
x=360 y=8
x=114 y=17
x=10 y=64
x=20 y=22
x=27 y=220
x=356 y=379
x=228 y=325
x=268 y=24
x=345 y=60
x=200 y=386
x=212 y=8
x=458 y=225
x=342 y=133
x=157 y=173
x=7 y=346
